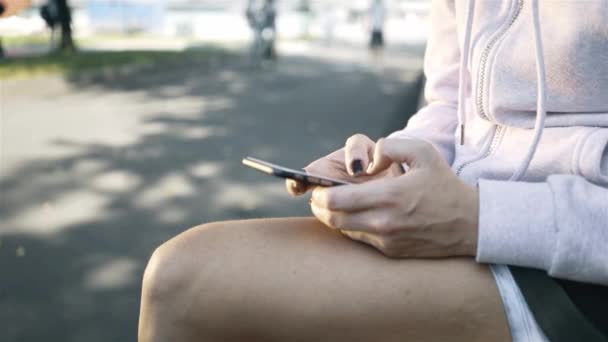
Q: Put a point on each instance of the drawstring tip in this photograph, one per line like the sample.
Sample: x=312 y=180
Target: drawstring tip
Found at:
x=461 y=134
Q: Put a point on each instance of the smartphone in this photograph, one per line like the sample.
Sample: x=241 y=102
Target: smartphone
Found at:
x=283 y=172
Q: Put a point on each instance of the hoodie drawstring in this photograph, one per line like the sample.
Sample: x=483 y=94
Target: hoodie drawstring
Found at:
x=464 y=60
x=541 y=112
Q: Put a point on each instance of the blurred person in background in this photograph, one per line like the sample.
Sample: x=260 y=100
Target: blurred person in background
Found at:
x=261 y=16
x=55 y=12
x=50 y=15
x=497 y=231
x=63 y=14
x=329 y=20
x=377 y=16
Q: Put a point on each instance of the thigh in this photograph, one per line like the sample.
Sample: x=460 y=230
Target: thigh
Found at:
x=294 y=279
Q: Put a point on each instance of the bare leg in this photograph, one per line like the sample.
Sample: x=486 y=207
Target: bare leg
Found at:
x=295 y=280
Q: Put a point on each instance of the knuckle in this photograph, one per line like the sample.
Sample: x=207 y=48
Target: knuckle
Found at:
x=379 y=225
x=356 y=139
x=380 y=146
x=312 y=166
x=334 y=220
x=386 y=229
x=329 y=200
x=425 y=147
x=389 y=198
x=350 y=140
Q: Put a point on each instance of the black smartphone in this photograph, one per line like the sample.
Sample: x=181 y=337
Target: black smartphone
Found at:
x=283 y=172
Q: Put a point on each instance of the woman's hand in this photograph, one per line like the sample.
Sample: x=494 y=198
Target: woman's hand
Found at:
x=348 y=164
x=427 y=212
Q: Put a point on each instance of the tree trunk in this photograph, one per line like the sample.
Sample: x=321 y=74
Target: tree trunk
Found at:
x=65 y=22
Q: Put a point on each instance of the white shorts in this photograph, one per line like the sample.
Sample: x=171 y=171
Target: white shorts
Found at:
x=522 y=324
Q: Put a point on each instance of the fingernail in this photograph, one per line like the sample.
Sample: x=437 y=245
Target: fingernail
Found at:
x=1 y=8
x=356 y=166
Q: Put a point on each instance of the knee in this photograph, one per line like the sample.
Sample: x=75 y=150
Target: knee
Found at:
x=160 y=280
x=171 y=272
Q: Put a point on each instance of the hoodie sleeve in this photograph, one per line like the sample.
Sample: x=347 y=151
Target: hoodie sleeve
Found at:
x=437 y=122
x=560 y=226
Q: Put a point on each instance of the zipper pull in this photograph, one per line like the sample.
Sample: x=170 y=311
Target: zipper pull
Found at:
x=461 y=134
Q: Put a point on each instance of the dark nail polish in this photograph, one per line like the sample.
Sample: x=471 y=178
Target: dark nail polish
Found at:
x=1 y=8
x=356 y=166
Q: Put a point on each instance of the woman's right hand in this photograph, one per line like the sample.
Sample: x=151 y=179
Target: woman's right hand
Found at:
x=348 y=164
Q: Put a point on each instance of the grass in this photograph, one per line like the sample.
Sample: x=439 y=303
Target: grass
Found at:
x=29 y=39
x=70 y=63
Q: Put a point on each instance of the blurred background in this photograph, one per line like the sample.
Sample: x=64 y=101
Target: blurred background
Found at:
x=124 y=122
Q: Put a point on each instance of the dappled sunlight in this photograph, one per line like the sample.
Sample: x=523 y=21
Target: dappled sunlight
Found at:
x=249 y=196
x=98 y=170
x=171 y=214
x=151 y=128
x=111 y=274
x=216 y=103
x=205 y=169
x=52 y=217
x=116 y=181
x=229 y=75
x=175 y=184
x=201 y=132
x=85 y=166
x=237 y=87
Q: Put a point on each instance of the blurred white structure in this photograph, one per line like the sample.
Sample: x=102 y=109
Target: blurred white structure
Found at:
x=224 y=20
x=29 y=22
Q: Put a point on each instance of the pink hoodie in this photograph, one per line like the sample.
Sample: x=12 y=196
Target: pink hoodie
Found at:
x=528 y=82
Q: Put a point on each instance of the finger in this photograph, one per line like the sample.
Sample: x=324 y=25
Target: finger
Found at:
x=357 y=153
x=415 y=153
x=369 y=221
x=338 y=219
x=379 y=161
x=354 y=197
x=295 y=188
x=367 y=238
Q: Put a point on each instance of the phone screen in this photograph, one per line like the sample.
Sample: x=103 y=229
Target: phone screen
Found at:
x=284 y=172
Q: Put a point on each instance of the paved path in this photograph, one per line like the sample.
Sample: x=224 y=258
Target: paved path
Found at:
x=97 y=171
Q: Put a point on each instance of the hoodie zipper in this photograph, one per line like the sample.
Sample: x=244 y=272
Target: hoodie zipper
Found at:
x=484 y=60
x=480 y=86
x=497 y=135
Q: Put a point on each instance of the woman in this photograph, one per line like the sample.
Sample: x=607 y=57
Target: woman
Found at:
x=506 y=165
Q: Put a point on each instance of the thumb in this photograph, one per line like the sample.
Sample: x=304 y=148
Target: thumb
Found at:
x=415 y=153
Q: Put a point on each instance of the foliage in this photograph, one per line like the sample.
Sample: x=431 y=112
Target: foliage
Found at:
x=70 y=63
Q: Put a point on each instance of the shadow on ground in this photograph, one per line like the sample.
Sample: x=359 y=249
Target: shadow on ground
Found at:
x=78 y=229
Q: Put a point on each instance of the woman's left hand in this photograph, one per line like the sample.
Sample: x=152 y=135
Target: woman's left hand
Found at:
x=426 y=212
